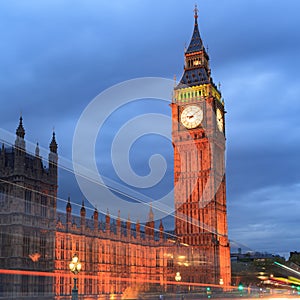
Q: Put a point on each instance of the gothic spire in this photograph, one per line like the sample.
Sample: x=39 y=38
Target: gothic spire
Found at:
x=37 y=150
x=151 y=214
x=82 y=210
x=68 y=206
x=196 y=61
x=20 y=130
x=53 y=144
x=95 y=214
x=196 y=41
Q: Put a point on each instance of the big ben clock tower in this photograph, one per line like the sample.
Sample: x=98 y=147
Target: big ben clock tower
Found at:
x=198 y=134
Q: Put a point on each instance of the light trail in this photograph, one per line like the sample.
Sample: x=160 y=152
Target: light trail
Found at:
x=138 y=279
x=287 y=268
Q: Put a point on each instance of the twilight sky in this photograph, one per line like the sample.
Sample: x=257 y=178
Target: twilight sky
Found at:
x=57 y=56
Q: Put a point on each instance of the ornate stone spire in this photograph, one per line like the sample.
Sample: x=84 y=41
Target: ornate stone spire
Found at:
x=196 y=41
x=20 y=130
x=107 y=221
x=20 y=142
x=119 y=220
x=128 y=225
x=161 y=230
x=82 y=210
x=151 y=215
x=68 y=206
x=96 y=214
x=53 y=144
x=196 y=65
x=37 y=150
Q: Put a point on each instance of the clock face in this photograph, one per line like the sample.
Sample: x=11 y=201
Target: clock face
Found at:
x=196 y=62
x=219 y=119
x=191 y=116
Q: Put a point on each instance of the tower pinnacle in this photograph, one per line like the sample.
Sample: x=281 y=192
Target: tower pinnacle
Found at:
x=196 y=13
x=20 y=130
x=53 y=144
x=196 y=41
x=196 y=66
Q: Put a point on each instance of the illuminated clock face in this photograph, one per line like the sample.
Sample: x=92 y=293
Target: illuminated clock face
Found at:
x=196 y=62
x=219 y=119
x=191 y=116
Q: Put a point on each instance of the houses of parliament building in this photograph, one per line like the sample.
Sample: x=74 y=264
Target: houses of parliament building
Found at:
x=117 y=257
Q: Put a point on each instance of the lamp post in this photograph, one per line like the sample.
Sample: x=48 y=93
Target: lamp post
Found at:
x=75 y=267
x=178 y=278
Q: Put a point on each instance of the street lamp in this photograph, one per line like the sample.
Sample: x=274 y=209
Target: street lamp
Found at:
x=75 y=267
x=177 y=278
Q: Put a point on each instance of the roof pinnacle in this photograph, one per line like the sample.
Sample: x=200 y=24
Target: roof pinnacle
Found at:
x=53 y=144
x=82 y=210
x=68 y=206
x=20 y=130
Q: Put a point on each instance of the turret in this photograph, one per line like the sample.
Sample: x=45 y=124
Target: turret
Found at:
x=107 y=222
x=2 y=158
x=82 y=216
x=53 y=145
x=37 y=160
x=37 y=151
x=161 y=230
x=95 y=217
x=138 y=229
x=20 y=134
x=128 y=227
x=149 y=230
x=19 y=164
x=69 y=212
x=119 y=223
x=53 y=157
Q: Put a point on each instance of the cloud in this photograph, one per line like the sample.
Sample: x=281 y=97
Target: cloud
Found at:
x=267 y=218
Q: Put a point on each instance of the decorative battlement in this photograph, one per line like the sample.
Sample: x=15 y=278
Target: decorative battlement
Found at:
x=114 y=229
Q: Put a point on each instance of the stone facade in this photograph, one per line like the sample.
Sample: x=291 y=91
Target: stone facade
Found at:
x=27 y=219
x=198 y=132
x=116 y=257
x=122 y=258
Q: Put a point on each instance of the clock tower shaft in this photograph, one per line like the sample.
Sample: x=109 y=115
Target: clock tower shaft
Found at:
x=198 y=135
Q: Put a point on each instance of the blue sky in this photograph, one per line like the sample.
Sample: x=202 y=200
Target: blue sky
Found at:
x=56 y=56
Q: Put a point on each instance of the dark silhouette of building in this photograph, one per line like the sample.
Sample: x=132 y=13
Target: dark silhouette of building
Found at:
x=27 y=218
